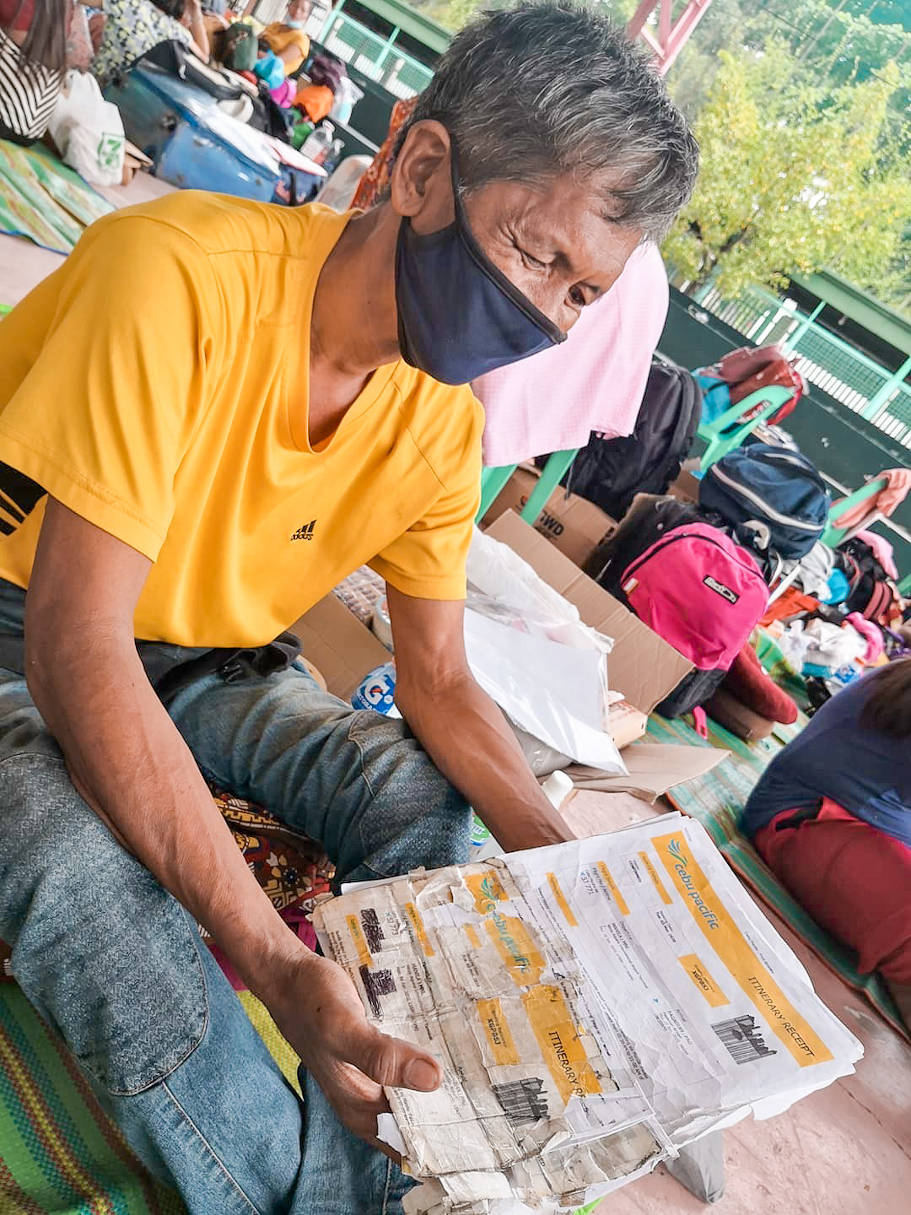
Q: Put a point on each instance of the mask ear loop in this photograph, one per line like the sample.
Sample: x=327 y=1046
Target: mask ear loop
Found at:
x=553 y=332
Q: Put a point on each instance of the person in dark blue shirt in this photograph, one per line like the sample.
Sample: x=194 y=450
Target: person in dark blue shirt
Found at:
x=831 y=816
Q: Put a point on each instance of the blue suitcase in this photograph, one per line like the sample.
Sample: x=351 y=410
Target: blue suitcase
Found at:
x=190 y=141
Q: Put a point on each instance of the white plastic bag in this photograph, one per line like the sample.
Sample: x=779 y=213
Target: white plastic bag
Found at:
x=347 y=95
x=88 y=131
x=504 y=586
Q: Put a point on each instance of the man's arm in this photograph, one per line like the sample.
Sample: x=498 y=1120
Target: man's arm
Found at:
x=461 y=728
x=130 y=764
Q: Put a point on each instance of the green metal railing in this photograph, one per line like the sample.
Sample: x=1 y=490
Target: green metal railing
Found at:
x=382 y=59
x=845 y=373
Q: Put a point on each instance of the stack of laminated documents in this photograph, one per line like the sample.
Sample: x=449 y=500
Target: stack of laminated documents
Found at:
x=596 y=1005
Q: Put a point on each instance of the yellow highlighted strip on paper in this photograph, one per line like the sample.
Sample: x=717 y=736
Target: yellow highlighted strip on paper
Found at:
x=485 y=890
x=472 y=933
x=499 y=1035
x=653 y=874
x=729 y=943
x=523 y=959
x=559 y=1042
x=419 y=931
x=561 y=900
x=360 y=943
x=613 y=888
x=703 y=980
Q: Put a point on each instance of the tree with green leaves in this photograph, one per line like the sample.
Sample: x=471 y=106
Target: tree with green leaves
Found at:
x=794 y=177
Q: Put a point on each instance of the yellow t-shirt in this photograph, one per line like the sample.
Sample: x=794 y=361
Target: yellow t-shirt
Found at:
x=156 y=384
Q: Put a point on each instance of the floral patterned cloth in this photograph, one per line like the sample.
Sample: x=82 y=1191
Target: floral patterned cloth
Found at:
x=376 y=179
x=292 y=869
x=131 y=28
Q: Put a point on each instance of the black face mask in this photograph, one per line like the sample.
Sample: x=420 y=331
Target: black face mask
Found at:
x=459 y=315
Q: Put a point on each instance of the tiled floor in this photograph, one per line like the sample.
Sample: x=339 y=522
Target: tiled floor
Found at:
x=843 y=1151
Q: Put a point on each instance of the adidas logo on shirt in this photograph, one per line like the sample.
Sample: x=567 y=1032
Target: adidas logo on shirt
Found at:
x=305 y=532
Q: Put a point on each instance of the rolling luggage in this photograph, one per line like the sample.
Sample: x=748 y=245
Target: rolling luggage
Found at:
x=190 y=141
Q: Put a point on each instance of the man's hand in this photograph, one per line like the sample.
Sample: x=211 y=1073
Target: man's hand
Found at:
x=318 y=1010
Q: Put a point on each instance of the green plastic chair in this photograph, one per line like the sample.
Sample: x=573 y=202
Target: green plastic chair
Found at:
x=493 y=480
x=722 y=435
x=833 y=535
x=719 y=444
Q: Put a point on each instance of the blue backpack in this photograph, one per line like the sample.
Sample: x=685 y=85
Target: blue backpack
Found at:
x=773 y=499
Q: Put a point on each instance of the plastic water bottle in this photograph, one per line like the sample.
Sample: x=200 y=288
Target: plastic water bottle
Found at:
x=333 y=156
x=317 y=145
x=377 y=691
x=301 y=133
x=483 y=845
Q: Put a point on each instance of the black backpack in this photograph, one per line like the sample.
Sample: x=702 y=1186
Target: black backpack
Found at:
x=610 y=472
x=870 y=591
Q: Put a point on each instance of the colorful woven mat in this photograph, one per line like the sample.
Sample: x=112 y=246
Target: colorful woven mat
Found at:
x=44 y=200
x=59 y=1152
x=717 y=800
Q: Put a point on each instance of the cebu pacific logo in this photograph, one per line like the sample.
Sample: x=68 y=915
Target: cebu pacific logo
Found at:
x=682 y=869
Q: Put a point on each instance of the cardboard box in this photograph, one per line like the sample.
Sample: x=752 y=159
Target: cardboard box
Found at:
x=572 y=524
x=339 y=646
x=642 y=665
x=685 y=488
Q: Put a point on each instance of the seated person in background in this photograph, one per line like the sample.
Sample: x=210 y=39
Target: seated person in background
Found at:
x=33 y=47
x=831 y=816
x=256 y=401
x=133 y=27
x=289 y=44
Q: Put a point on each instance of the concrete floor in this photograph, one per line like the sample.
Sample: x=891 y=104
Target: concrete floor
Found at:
x=843 y=1151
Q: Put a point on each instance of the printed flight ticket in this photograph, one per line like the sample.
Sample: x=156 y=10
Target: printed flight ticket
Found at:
x=594 y=1005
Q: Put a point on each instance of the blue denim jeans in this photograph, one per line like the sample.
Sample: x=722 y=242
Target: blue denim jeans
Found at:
x=113 y=963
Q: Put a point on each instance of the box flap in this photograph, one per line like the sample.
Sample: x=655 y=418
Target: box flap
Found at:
x=642 y=665
x=652 y=769
x=338 y=644
x=571 y=523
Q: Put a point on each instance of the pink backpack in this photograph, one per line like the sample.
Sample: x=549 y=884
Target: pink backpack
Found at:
x=698 y=590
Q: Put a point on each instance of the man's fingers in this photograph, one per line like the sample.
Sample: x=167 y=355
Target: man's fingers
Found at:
x=392 y=1062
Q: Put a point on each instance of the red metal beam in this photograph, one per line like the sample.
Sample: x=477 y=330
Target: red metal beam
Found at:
x=671 y=35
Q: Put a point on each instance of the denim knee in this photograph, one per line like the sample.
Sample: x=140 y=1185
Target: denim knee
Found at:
x=106 y=955
x=415 y=817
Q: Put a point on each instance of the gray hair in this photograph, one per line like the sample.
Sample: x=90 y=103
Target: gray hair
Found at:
x=555 y=89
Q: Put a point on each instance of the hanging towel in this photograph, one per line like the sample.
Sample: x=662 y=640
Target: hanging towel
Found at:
x=593 y=381
x=886 y=502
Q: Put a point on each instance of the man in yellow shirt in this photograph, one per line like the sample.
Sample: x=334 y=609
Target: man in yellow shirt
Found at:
x=209 y=415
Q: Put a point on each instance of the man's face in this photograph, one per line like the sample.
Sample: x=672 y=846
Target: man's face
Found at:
x=552 y=241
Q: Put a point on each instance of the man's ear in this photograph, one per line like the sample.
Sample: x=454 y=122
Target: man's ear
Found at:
x=420 y=185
